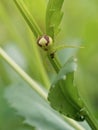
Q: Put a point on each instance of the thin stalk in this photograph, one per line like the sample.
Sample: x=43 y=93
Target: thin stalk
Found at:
x=23 y=74
x=33 y=84
x=91 y=121
x=37 y=32
x=55 y=63
x=29 y=18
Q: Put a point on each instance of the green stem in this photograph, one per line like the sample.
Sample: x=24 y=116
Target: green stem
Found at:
x=29 y=18
x=91 y=120
x=55 y=63
x=23 y=74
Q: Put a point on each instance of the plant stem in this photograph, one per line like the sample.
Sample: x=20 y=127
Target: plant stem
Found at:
x=91 y=120
x=23 y=74
x=55 y=62
x=29 y=18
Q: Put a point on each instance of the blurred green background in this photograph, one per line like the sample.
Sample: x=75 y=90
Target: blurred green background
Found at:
x=79 y=27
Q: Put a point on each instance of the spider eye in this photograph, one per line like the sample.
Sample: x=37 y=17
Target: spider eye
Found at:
x=45 y=42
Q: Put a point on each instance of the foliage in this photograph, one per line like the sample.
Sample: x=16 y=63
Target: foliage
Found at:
x=64 y=95
x=33 y=108
x=79 y=25
x=53 y=17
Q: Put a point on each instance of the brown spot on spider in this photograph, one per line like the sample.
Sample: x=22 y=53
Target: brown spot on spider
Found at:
x=44 y=42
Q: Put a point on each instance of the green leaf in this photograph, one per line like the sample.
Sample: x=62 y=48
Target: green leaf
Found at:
x=63 y=94
x=53 y=17
x=8 y=119
x=34 y=109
